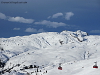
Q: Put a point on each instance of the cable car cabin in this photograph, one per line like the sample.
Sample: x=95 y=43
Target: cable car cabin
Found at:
x=95 y=66
x=60 y=68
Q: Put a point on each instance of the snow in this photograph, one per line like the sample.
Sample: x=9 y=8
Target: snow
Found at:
x=76 y=51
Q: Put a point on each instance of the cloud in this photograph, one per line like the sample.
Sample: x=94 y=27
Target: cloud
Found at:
x=16 y=29
x=26 y=12
x=41 y=30
x=2 y=16
x=51 y=24
x=95 y=31
x=34 y=30
x=49 y=17
x=16 y=19
x=57 y=15
x=68 y=15
x=30 y=30
x=20 y=19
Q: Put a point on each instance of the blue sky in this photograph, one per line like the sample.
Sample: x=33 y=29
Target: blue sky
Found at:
x=36 y=16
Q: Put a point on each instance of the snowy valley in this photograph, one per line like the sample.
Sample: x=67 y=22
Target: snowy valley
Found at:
x=41 y=54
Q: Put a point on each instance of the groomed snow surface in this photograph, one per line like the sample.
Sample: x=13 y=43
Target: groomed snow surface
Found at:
x=75 y=51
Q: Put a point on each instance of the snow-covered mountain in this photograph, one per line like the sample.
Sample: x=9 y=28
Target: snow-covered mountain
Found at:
x=43 y=52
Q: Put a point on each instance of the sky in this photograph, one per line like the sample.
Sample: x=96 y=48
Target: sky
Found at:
x=26 y=17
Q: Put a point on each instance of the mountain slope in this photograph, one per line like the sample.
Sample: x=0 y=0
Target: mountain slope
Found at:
x=76 y=51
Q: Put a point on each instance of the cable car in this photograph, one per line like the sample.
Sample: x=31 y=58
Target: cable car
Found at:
x=60 y=68
x=95 y=66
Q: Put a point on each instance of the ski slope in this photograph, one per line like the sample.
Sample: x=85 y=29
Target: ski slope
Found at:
x=76 y=51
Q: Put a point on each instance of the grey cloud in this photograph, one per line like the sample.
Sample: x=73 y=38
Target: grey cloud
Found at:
x=16 y=19
x=16 y=29
x=49 y=17
x=2 y=16
x=41 y=30
x=57 y=15
x=20 y=19
x=69 y=15
x=95 y=31
x=34 y=30
x=51 y=24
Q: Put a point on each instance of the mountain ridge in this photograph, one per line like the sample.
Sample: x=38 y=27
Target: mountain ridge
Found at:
x=50 y=49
